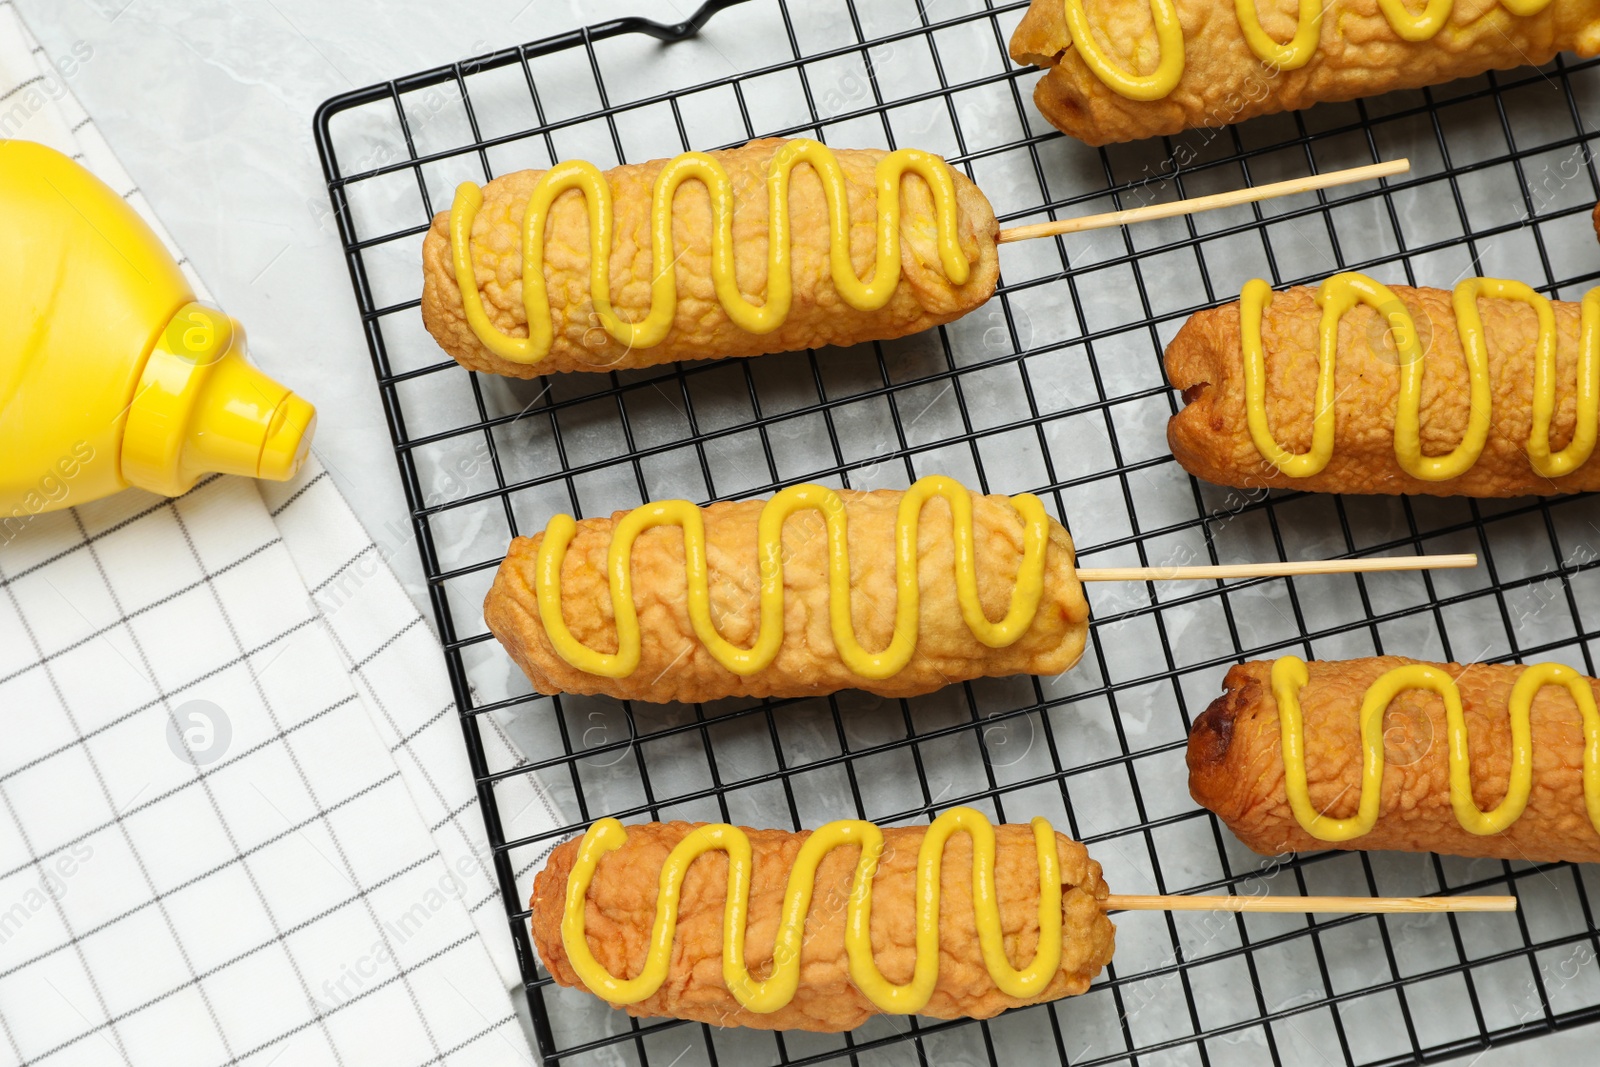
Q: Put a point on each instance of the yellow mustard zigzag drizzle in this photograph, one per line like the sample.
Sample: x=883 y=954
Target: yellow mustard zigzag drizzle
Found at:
x=1342 y=292
x=700 y=166
x=1290 y=674
x=1297 y=52
x=777 y=990
x=769 y=548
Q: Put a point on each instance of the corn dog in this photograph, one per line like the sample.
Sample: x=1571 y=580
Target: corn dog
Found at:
x=1355 y=387
x=1127 y=70
x=815 y=915
x=1280 y=756
x=561 y=270
x=785 y=597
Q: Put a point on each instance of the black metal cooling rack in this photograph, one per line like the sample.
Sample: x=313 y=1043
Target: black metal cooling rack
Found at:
x=1054 y=387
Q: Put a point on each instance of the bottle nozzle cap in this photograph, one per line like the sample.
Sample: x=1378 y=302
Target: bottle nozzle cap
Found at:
x=200 y=407
x=288 y=442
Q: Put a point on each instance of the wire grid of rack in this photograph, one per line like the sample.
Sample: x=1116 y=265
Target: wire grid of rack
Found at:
x=1054 y=387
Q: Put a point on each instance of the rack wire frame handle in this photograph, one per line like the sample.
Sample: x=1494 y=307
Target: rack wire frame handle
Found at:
x=1226 y=148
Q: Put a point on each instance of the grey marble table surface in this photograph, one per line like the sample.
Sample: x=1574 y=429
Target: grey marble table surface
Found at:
x=209 y=105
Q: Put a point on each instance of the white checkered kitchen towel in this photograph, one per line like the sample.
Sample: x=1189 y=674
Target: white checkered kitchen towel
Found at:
x=237 y=823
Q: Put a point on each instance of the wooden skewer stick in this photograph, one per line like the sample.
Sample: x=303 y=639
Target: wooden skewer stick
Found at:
x=1307 y=905
x=1195 y=204
x=1278 y=570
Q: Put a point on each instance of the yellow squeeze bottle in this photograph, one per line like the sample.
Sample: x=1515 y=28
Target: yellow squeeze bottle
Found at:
x=111 y=375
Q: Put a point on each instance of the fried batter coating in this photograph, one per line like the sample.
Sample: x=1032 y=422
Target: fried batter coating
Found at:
x=1236 y=763
x=1211 y=439
x=674 y=665
x=702 y=329
x=1224 y=81
x=620 y=910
